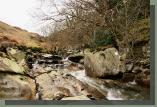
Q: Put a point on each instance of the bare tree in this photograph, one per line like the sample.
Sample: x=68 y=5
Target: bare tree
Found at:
x=83 y=17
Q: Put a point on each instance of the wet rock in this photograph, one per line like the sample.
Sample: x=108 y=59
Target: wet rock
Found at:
x=52 y=86
x=16 y=87
x=2 y=54
x=75 y=67
x=128 y=77
x=143 y=78
x=93 y=92
x=30 y=60
x=103 y=63
x=55 y=86
x=145 y=63
x=137 y=69
x=82 y=97
x=16 y=54
x=47 y=55
x=50 y=59
x=82 y=61
x=7 y=65
x=129 y=67
x=37 y=70
x=93 y=87
x=76 y=58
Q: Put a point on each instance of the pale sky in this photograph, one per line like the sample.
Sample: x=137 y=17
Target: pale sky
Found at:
x=20 y=13
x=17 y=13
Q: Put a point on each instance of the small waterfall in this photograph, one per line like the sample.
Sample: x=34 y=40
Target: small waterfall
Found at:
x=112 y=89
x=80 y=75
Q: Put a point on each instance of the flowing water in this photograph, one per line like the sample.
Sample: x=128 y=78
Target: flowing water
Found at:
x=115 y=89
x=128 y=91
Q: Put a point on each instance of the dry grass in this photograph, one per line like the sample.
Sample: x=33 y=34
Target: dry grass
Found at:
x=22 y=37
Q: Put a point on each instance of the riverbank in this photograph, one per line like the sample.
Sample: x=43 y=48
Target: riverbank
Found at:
x=76 y=75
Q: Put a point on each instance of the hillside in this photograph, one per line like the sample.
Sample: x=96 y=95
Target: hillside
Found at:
x=14 y=35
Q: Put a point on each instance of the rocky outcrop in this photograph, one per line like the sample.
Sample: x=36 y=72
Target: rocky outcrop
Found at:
x=16 y=54
x=82 y=97
x=13 y=36
x=103 y=63
x=75 y=67
x=76 y=58
x=29 y=75
x=55 y=86
x=29 y=72
x=142 y=77
x=13 y=82
x=8 y=65
x=16 y=87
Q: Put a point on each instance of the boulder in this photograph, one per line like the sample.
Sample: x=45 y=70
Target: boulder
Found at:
x=16 y=87
x=143 y=78
x=75 y=67
x=137 y=69
x=76 y=58
x=103 y=63
x=36 y=70
x=82 y=97
x=47 y=55
x=16 y=54
x=7 y=65
x=55 y=86
x=128 y=77
x=129 y=67
x=2 y=54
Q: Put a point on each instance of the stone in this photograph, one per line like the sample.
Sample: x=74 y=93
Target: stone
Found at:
x=103 y=63
x=2 y=54
x=82 y=61
x=137 y=69
x=128 y=77
x=129 y=67
x=7 y=65
x=16 y=54
x=16 y=87
x=75 y=58
x=37 y=70
x=53 y=86
x=47 y=55
x=143 y=79
x=75 y=67
x=82 y=97
x=30 y=60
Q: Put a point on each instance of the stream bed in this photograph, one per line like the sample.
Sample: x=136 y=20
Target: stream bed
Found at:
x=111 y=89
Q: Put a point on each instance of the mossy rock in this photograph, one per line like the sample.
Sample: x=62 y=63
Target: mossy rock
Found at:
x=7 y=65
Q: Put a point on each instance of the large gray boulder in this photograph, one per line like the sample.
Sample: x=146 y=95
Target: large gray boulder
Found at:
x=55 y=86
x=82 y=97
x=8 y=65
x=16 y=54
x=103 y=63
x=16 y=87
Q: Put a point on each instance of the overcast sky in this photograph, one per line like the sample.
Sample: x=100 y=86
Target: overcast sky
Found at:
x=17 y=13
